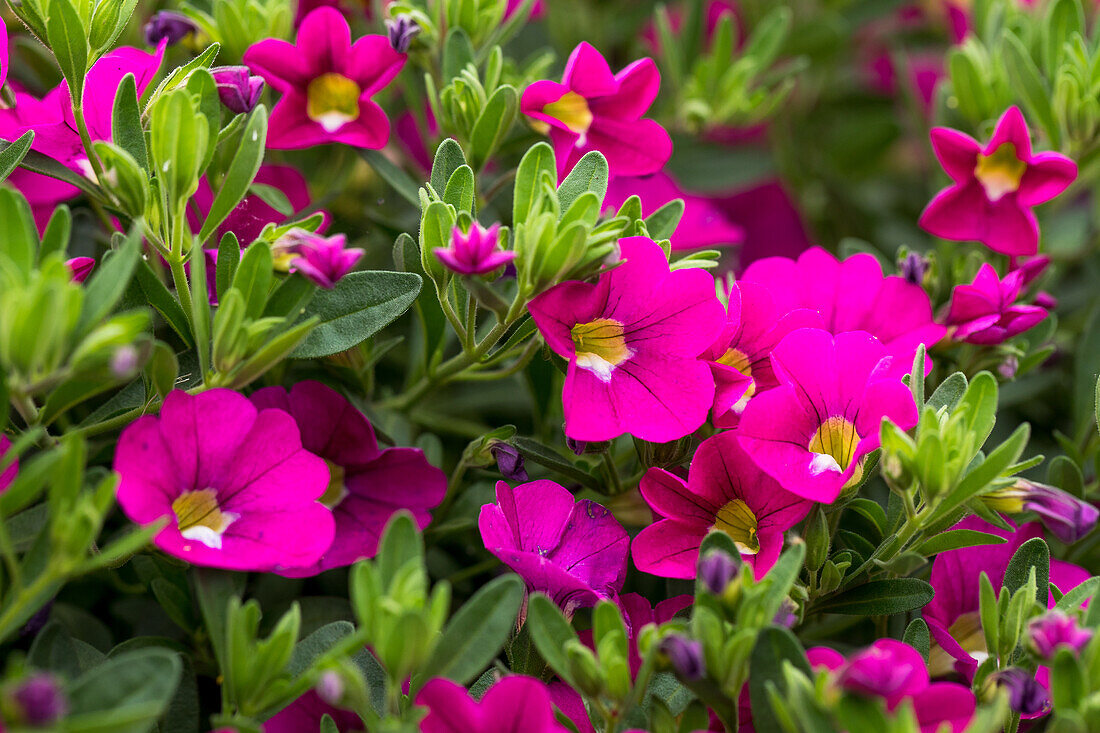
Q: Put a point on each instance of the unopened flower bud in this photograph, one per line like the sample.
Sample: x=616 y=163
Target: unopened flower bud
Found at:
x=1025 y=695
x=685 y=655
x=577 y=446
x=474 y=252
x=914 y=267
x=717 y=570
x=238 y=90
x=80 y=268
x=166 y=25
x=787 y=615
x=401 y=31
x=124 y=362
x=510 y=461
x=1055 y=629
x=40 y=700
x=330 y=687
x=1043 y=299
x=1007 y=368
x=1064 y=515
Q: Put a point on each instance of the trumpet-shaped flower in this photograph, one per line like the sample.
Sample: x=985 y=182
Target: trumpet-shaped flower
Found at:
x=594 y=109
x=995 y=187
x=366 y=485
x=633 y=342
x=237 y=488
x=812 y=432
x=985 y=311
x=573 y=551
x=474 y=252
x=515 y=703
x=852 y=295
x=725 y=491
x=327 y=84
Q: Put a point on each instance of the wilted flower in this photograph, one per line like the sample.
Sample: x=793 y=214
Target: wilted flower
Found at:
x=238 y=90
x=1055 y=629
x=169 y=27
x=474 y=252
x=1064 y=515
x=515 y=703
x=985 y=311
x=995 y=187
x=1025 y=695
x=510 y=461
x=401 y=31
x=685 y=655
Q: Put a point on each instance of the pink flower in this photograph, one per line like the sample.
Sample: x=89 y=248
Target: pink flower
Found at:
x=237 y=487
x=852 y=295
x=593 y=109
x=238 y=91
x=305 y=713
x=739 y=358
x=474 y=252
x=366 y=485
x=324 y=260
x=726 y=491
x=633 y=341
x=703 y=223
x=1053 y=630
x=3 y=52
x=985 y=311
x=995 y=187
x=8 y=474
x=80 y=267
x=812 y=432
x=515 y=703
x=327 y=83
x=573 y=551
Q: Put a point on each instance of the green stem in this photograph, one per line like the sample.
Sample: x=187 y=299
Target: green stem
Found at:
x=183 y=290
x=612 y=473
x=471 y=321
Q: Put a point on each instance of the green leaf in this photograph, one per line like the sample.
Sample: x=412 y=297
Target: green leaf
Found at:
x=878 y=598
x=158 y=296
x=918 y=637
x=775 y=646
x=1032 y=554
x=457 y=53
x=1025 y=78
x=229 y=259
x=460 y=189
x=47 y=166
x=492 y=125
x=109 y=19
x=12 y=154
x=589 y=174
x=1076 y=596
x=550 y=632
x=214 y=589
x=242 y=171
x=662 y=223
x=253 y=279
x=361 y=304
x=979 y=405
x=58 y=231
x=1064 y=473
x=956 y=538
x=475 y=635
x=401 y=543
x=309 y=649
x=109 y=281
x=20 y=240
x=448 y=159
x=125 y=694
x=69 y=43
x=948 y=394
x=537 y=163
x=391 y=174
x=126 y=130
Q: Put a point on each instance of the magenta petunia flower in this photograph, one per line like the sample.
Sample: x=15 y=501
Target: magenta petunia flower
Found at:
x=812 y=432
x=324 y=260
x=593 y=109
x=305 y=714
x=995 y=187
x=573 y=551
x=725 y=491
x=474 y=252
x=8 y=474
x=852 y=295
x=234 y=482
x=739 y=358
x=515 y=703
x=366 y=485
x=952 y=615
x=633 y=342
x=327 y=84
x=985 y=311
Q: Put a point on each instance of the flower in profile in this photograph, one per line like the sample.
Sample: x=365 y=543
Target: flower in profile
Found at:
x=324 y=260
x=306 y=713
x=81 y=268
x=740 y=357
x=593 y=109
x=633 y=342
x=703 y=223
x=514 y=703
x=985 y=311
x=995 y=187
x=237 y=488
x=573 y=551
x=366 y=485
x=238 y=90
x=1064 y=515
x=725 y=491
x=168 y=26
x=852 y=295
x=327 y=83
x=474 y=252
x=813 y=431
x=8 y=474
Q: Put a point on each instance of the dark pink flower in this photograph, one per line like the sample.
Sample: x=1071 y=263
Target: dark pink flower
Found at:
x=593 y=109
x=633 y=342
x=515 y=703
x=702 y=225
x=366 y=485
x=812 y=432
x=573 y=551
x=995 y=187
x=305 y=713
x=327 y=84
x=725 y=490
x=474 y=252
x=1055 y=629
x=234 y=482
x=9 y=473
x=324 y=260
x=985 y=311
x=80 y=267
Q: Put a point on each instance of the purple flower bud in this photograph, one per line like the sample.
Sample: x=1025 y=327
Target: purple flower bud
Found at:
x=474 y=252
x=40 y=700
x=787 y=615
x=1025 y=695
x=1054 y=629
x=401 y=32
x=914 y=267
x=510 y=461
x=166 y=25
x=717 y=569
x=237 y=88
x=685 y=655
x=577 y=446
x=330 y=687
x=888 y=669
x=124 y=361
x=1043 y=299
x=1064 y=515
x=1008 y=367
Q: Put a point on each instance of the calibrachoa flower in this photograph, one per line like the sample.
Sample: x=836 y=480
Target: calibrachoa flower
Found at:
x=237 y=488
x=985 y=311
x=9 y=473
x=1026 y=695
x=995 y=187
x=327 y=83
x=573 y=551
x=633 y=342
x=812 y=432
x=852 y=295
x=80 y=267
x=474 y=252
x=306 y=713
x=593 y=109
x=238 y=90
x=366 y=485
x=725 y=491
x=1064 y=515
x=1053 y=630
x=515 y=703
x=324 y=260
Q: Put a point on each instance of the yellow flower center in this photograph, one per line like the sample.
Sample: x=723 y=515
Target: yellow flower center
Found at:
x=967 y=631
x=738 y=521
x=1000 y=171
x=600 y=346
x=336 y=490
x=834 y=444
x=332 y=100
x=572 y=111
x=740 y=361
x=199 y=517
